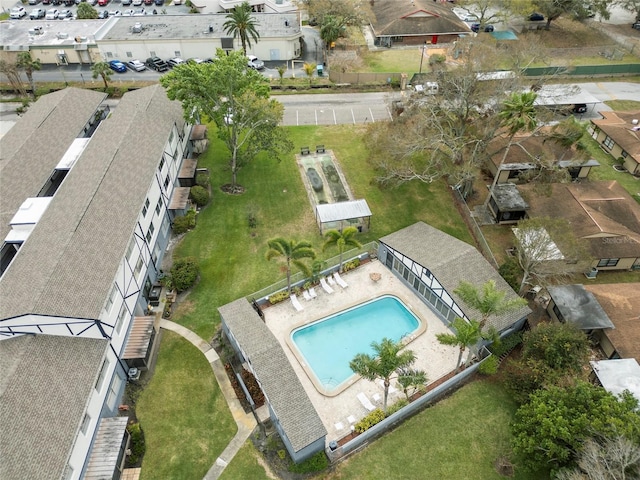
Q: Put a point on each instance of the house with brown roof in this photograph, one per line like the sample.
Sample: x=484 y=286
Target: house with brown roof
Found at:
x=601 y=213
x=530 y=153
x=618 y=133
x=415 y=22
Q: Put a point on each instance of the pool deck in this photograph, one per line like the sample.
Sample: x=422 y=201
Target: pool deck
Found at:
x=432 y=357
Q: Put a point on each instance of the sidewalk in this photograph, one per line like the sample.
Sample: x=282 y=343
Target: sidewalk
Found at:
x=245 y=421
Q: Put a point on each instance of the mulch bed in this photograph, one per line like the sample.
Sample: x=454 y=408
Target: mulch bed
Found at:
x=249 y=382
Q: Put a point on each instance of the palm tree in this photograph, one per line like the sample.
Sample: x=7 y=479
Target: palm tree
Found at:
x=467 y=334
x=388 y=358
x=488 y=300
x=292 y=252
x=341 y=240
x=309 y=69
x=410 y=378
x=517 y=115
x=101 y=69
x=240 y=24
x=331 y=30
x=29 y=65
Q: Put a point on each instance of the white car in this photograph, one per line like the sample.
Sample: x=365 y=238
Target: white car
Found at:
x=17 y=13
x=254 y=62
x=52 y=14
x=175 y=61
x=136 y=65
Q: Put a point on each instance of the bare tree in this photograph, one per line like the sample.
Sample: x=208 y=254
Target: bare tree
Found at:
x=11 y=71
x=547 y=250
x=607 y=459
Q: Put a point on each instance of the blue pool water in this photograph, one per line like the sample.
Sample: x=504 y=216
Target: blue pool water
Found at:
x=328 y=345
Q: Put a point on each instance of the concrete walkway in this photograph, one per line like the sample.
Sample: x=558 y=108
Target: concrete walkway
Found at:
x=245 y=422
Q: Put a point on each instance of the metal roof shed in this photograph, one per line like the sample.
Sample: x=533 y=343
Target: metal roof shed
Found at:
x=333 y=215
x=618 y=375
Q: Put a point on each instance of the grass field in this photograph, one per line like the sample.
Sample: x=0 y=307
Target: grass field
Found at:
x=184 y=416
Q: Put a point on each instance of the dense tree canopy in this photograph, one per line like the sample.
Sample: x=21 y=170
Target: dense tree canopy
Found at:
x=86 y=11
x=551 y=428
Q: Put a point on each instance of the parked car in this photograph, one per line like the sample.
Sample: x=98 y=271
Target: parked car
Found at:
x=126 y=3
x=157 y=64
x=536 y=17
x=37 y=13
x=46 y=2
x=175 y=61
x=117 y=66
x=636 y=25
x=114 y=13
x=159 y=3
x=148 y=2
x=93 y=3
x=254 y=62
x=579 y=108
x=34 y=2
x=52 y=14
x=475 y=27
x=103 y=3
x=136 y=65
x=195 y=60
x=139 y=12
x=103 y=14
x=62 y=14
x=128 y=13
x=137 y=3
x=17 y=13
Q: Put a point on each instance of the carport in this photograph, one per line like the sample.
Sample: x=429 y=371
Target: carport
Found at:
x=564 y=95
x=354 y=213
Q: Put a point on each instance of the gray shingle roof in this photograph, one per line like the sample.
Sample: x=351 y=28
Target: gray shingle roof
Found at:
x=45 y=383
x=452 y=261
x=67 y=266
x=279 y=382
x=30 y=151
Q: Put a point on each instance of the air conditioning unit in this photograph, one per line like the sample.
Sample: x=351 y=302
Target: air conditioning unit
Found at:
x=137 y=28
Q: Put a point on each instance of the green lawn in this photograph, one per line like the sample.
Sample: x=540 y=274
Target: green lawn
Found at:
x=245 y=465
x=184 y=416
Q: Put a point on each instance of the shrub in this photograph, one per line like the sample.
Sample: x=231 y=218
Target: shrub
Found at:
x=370 y=420
x=278 y=297
x=184 y=273
x=199 y=195
x=137 y=443
x=511 y=271
x=350 y=265
x=399 y=405
x=489 y=366
x=317 y=463
x=506 y=344
x=561 y=346
x=202 y=179
x=184 y=223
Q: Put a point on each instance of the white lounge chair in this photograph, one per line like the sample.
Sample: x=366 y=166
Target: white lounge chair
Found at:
x=376 y=397
x=325 y=287
x=351 y=419
x=312 y=292
x=366 y=403
x=306 y=295
x=339 y=280
x=296 y=303
x=331 y=281
x=392 y=389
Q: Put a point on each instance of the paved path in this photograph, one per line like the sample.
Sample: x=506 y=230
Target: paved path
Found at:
x=245 y=422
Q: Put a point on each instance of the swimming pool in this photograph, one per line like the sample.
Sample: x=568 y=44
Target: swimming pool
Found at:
x=327 y=346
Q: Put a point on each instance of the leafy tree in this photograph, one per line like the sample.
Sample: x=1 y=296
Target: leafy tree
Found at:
x=102 y=70
x=331 y=29
x=488 y=300
x=241 y=24
x=29 y=65
x=10 y=70
x=560 y=346
x=614 y=458
x=309 y=70
x=86 y=11
x=577 y=9
x=341 y=240
x=281 y=70
x=348 y=12
x=237 y=100
x=184 y=273
x=487 y=11
x=518 y=114
x=551 y=428
x=409 y=378
x=291 y=252
x=536 y=252
x=388 y=358
x=466 y=335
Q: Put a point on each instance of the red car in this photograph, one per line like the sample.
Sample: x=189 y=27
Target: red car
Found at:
x=102 y=3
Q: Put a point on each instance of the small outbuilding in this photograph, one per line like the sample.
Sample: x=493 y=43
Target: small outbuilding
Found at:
x=506 y=204
x=354 y=213
x=574 y=304
x=616 y=376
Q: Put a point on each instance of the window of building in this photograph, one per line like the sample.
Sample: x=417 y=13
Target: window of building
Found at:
x=138 y=268
x=608 y=262
x=102 y=375
x=112 y=396
x=85 y=424
x=177 y=53
x=109 y=55
x=145 y=208
x=152 y=53
x=557 y=313
x=129 y=250
x=121 y=316
x=170 y=137
x=159 y=206
x=111 y=299
x=129 y=55
x=150 y=232
x=608 y=142
x=161 y=163
x=156 y=253
x=624 y=154
x=165 y=226
x=166 y=181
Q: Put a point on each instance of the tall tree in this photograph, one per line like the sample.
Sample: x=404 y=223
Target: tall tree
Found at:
x=518 y=114
x=29 y=65
x=331 y=29
x=548 y=251
x=102 y=70
x=86 y=11
x=237 y=100
x=411 y=378
x=466 y=335
x=10 y=70
x=240 y=23
x=553 y=425
x=488 y=299
x=309 y=70
x=616 y=458
x=341 y=240
x=388 y=358
x=576 y=9
x=292 y=252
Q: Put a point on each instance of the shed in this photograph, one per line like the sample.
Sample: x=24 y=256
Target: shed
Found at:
x=506 y=204
x=619 y=375
x=574 y=304
x=343 y=214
